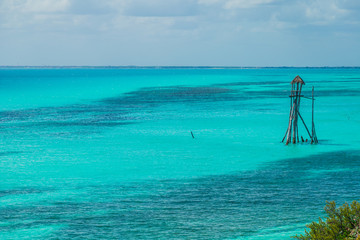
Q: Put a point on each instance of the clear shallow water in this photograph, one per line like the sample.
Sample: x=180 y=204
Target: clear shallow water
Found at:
x=107 y=153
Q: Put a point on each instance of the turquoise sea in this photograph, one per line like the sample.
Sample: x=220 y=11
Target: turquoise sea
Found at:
x=107 y=153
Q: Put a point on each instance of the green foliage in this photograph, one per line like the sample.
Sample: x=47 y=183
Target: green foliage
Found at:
x=342 y=223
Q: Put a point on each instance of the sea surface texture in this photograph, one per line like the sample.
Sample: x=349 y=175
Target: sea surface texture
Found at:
x=109 y=154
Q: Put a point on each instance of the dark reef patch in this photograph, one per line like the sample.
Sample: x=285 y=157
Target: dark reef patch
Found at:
x=20 y=191
x=151 y=103
x=263 y=83
x=7 y=153
x=162 y=95
x=333 y=92
x=286 y=192
x=80 y=124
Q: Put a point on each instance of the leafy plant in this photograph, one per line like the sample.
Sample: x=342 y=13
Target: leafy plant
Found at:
x=342 y=223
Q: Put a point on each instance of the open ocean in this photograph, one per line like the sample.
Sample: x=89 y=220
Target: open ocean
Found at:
x=107 y=153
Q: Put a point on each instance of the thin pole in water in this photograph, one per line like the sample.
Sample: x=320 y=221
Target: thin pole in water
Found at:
x=313 y=133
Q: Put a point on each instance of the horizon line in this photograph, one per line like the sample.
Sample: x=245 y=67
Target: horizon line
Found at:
x=166 y=66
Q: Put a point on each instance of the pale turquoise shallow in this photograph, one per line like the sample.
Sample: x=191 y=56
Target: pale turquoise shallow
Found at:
x=108 y=153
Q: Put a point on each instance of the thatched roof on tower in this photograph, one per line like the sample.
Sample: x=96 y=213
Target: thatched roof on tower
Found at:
x=298 y=79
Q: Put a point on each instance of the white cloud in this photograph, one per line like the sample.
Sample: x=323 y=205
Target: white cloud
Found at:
x=210 y=14
x=93 y=7
x=55 y=15
x=43 y=6
x=20 y=14
x=324 y=12
x=209 y=25
x=209 y=2
x=233 y=4
x=160 y=8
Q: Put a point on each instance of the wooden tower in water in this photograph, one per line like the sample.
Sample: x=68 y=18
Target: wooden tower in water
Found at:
x=292 y=132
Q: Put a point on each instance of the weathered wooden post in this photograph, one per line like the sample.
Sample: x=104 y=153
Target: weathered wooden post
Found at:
x=295 y=97
x=293 y=130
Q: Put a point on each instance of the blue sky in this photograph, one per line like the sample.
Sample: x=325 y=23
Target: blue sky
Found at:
x=180 y=32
